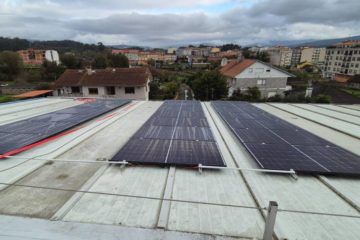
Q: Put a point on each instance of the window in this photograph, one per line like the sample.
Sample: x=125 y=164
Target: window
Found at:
x=75 y=89
x=110 y=90
x=268 y=70
x=250 y=70
x=93 y=91
x=129 y=90
x=261 y=82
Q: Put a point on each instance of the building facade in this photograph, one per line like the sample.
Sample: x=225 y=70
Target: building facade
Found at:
x=253 y=73
x=280 y=56
x=37 y=57
x=122 y=83
x=313 y=55
x=342 y=61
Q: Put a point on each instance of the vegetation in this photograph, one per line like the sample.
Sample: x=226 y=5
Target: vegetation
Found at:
x=262 y=56
x=253 y=94
x=10 y=65
x=352 y=91
x=209 y=85
x=16 y=44
x=322 y=99
x=5 y=98
x=230 y=46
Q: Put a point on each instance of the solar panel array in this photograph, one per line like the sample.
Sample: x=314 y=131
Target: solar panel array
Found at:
x=279 y=145
x=22 y=133
x=176 y=134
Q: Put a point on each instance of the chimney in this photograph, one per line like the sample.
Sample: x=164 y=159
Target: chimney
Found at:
x=88 y=70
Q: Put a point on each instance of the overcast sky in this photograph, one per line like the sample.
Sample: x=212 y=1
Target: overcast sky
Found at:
x=172 y=22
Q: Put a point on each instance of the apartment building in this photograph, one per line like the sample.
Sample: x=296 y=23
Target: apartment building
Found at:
x=296 y=56
x=313 y=55
x=38 y=56
x=280 y=56
x=342 y=61
x=137 y=57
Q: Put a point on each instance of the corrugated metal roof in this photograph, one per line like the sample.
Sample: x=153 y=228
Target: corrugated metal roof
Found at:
x=224 y=203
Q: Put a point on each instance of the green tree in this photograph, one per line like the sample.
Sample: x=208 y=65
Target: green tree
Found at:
x=321 y=98
x=101 y=46
x=118 y=60
x=210 y=85
x=10 y=64
x=230 y=46
x=169 y=90
x=99 y=62
x=51 y=71
x=70 y=61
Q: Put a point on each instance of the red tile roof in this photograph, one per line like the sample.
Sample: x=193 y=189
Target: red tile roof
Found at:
x=104 y=77
x=234 y=68
x=33 y=93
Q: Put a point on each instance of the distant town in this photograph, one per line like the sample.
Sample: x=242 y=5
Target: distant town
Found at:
x=273 y=73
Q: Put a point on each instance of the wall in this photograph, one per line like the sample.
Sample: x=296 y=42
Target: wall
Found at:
x=275 y=80
x=141 y=93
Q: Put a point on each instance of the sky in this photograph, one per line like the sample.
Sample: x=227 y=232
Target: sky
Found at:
x=165 y=23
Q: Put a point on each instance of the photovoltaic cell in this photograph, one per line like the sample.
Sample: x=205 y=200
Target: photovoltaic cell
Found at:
x=22 y=133
x=282 y=157
x=193 y=153
x=151 y=151
x=279 y=145
x=177 y=134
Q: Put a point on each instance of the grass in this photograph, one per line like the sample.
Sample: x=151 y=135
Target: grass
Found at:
x=352 y=91
x=6 y=98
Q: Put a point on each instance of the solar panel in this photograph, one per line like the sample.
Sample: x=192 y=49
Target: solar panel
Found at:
x=256 y=136
x=334 y=158
x=193 y=134
x=282 y=157
x=194 y=153
x=182 y=140
x=155 y=132
x=22 y=133
x=143 y=151
x=279 y=145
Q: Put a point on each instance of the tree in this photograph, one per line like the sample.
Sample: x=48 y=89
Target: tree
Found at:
x=252 y=94
x=51 y=71
x=99 y=62
x=321 y=98
x=70 y=61
x=230 y=46
x=118 y=60
x=210 y=85
x=101 y=46
x=10 y=64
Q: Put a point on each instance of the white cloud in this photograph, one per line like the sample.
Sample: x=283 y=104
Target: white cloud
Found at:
x=136 y=22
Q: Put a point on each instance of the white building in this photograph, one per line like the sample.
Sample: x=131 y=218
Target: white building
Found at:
x=123 y=83
x=253 y=73
x=52 y=56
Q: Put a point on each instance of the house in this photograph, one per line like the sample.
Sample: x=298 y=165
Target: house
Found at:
x=254 y=73
x=124 y=83
x=37 y=57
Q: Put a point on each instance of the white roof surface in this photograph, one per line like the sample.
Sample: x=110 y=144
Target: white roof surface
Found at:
x=83 y=193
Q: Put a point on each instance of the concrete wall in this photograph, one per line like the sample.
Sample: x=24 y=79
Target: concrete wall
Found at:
x=268 y=88
x=269 y=80
x=141 y=93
